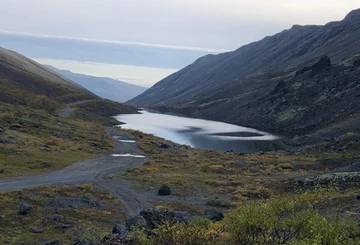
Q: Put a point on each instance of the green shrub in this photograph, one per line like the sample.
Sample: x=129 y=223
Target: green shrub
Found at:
x=287 y=221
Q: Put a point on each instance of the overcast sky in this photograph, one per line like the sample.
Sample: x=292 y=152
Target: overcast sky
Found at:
x=198 y=26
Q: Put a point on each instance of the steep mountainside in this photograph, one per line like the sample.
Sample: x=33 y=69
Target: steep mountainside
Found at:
x=103 y=86
x=27 y=83
x=283 y=52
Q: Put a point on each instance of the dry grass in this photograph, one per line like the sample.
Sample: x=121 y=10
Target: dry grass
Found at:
x=89 y=222
x=191 y=171
x=37 y=142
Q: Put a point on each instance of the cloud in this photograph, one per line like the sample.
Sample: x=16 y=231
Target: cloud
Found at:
x=139 y=44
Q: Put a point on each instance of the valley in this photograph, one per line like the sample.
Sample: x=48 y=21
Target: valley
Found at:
x=256 y=146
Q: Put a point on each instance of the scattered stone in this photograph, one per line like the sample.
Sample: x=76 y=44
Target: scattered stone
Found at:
x=82 y=242
x=36 y=229
x=59 y=124
x=2 y=216
x=121 y=230
x=4 y=141
x=213 y=215
x=57 y=218
x=93 y=144
x=25 y=208
x=136 y=221
x=70 y=202
x=54 y=242
x=62 y=226
x=164 y=191
x=45 y=148
x=44 y=221
x=88 y=230
x=1 y=129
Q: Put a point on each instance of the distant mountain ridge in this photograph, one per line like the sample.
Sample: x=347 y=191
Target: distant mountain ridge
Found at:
x=282 y=52
x=303 y=81
x=103 y=86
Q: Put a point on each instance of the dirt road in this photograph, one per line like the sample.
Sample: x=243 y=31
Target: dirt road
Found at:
x=97 y=171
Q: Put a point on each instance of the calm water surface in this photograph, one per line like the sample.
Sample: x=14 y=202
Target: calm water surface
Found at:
x=200 y=133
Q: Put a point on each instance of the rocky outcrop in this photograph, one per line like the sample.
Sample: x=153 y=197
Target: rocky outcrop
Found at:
x=340 y=180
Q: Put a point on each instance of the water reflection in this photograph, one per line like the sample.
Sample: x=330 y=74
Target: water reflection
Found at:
x=200 y=133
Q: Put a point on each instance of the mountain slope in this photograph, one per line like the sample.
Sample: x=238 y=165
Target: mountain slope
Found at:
x=26 y=83
x=284 y=51
x=104 y=87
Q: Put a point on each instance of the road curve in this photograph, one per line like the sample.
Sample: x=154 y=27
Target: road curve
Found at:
x=97 y=171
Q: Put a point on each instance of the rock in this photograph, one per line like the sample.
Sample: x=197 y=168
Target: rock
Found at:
x=93 y=144
x=155 y=217
x=44 y=221
x=183 y=216
x=45 y=148
x=213 y=215
x=25 y=208
x=59 y=124
x=2 y=216
x=1 y=129
x=164 y=191
x=70 y=202
x=4 y=141
x=54 y=242
x=164 y=146
x=121 y=230
x=62 y=226
x=136 y=221
x=322 y=64
x=82 y=242
x=57 y=218
x=36 y=229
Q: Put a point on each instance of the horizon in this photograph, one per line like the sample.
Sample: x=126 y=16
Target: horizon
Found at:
x=138 y=53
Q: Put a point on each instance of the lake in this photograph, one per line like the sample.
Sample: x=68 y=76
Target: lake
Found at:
x=200 y=133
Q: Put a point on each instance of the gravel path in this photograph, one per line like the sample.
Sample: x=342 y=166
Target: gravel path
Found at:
x=97 y=171
x=66 y=112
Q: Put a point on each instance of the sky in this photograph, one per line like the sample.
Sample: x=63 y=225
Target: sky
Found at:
x=142 y=41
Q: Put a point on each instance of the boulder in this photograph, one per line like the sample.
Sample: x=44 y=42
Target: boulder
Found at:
x=25 y=208
x=155 y=217
x=121 y=230
x=136 y=221
x=164 y=191
x=213 y=215
x=36 y=229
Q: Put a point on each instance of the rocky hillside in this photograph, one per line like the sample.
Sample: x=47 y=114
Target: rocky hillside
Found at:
x=271 y=84
x=284 y=51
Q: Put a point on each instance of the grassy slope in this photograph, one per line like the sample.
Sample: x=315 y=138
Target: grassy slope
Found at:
x=229 y=179
x=35 y=139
